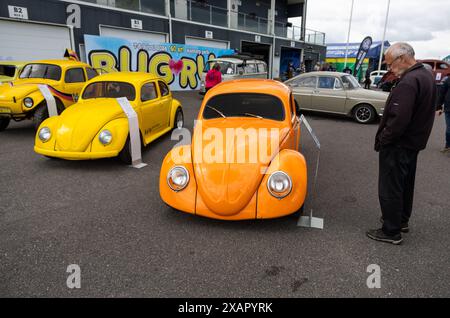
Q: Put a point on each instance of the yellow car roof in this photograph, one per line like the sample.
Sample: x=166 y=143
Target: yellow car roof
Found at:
x=130 y=77
x=15 y=63
x=62 y=63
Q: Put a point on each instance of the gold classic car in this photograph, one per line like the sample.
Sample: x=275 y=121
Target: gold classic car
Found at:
x=337 y=93
x=97 y=127
x=21 y=99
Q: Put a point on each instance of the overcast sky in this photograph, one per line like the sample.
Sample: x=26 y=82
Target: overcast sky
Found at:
x=423 y=24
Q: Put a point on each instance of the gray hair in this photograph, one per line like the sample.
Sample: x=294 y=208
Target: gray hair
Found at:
x=400 y=48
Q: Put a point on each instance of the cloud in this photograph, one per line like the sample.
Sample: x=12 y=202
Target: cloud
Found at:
x=425 y=24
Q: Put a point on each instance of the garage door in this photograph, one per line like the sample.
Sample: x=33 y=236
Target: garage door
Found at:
x=32 y=41
x=207 y=43
x=132 y=34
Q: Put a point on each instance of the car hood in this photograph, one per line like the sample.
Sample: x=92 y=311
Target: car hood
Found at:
x=228 y=185
x=80 y=123
x=20 y=88
x=362 y=93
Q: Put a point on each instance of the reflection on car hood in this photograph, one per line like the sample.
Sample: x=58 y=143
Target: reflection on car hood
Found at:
x=228 y=185
x=362 y=93
x=80 y=123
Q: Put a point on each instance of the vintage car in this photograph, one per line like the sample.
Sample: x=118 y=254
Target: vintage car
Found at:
x=243 y=161
x=234 y=67
x=21 y=99
x=337 y=93
x=97 y=127
x=10 y=70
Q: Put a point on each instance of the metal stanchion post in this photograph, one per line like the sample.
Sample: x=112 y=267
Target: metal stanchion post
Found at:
x=133 y=125
x=311 y=221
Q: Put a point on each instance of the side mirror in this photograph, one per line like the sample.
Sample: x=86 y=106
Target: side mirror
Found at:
x=76 y=97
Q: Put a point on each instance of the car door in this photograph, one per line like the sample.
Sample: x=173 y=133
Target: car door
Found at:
x=329 y=96
x=166 y=104
x=74 y=80
x=303 y=88
x=150 y=110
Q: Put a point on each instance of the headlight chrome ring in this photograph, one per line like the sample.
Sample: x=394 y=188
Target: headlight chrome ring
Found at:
x=45 y=134
x=105 y=137
x=279 y=184
x=28 y=102
x=178 y=178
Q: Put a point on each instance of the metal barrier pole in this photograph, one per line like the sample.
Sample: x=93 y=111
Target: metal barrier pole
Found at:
x=311 y=221
x=133 y=126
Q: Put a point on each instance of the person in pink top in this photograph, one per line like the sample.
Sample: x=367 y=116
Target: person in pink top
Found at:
x=213 y=77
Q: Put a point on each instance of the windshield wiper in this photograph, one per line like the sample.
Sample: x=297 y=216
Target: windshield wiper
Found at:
x=217 y=111
x=252 y=115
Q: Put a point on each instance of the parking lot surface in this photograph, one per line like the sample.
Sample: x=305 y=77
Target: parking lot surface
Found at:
x=109 y=219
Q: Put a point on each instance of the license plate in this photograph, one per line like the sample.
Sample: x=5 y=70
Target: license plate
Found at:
x=5 y=110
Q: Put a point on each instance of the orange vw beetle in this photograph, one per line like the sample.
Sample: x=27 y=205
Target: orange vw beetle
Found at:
x=243 y=161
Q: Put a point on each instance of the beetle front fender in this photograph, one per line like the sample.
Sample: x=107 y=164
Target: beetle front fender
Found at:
x=183 y=200
x=294 y=165
x=175 y=105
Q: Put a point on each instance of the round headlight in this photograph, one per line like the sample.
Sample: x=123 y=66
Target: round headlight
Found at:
x=45 y=134
x=105 y=137
x=178 y=178
x=279 y=184
x=28 y=102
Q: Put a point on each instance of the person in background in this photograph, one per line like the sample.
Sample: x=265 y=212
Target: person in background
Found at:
x=302 y=68
x=403 y=131
x=317 y=67
x=290 y=70
x=213 y=77
x=367 y=80
x=443 y=106
x=347 y=70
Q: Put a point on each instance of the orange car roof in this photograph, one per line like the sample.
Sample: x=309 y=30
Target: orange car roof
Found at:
x=261 y=86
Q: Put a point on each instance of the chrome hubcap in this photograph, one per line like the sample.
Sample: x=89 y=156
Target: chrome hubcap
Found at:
x=363 y=114
x=179 y=121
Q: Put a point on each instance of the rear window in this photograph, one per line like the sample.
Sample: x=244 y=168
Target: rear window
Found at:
x=244 y=105
x=109 y=90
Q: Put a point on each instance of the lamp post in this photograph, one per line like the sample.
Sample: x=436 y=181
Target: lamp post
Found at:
x=384 y=35
x=348 y=35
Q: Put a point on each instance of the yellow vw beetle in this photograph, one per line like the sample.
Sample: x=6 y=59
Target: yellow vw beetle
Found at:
x=97 y=127
x=21 y=99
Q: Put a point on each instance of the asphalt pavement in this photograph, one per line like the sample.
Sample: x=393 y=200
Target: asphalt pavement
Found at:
x=109 y=219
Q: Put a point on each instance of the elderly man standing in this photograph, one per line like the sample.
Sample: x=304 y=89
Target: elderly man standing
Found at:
x=404 y=130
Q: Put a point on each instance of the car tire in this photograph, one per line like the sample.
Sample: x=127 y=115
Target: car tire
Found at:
x=41 y=113
x=364 y=114
x=125 y=153
x=4 y=122
x=178 y=121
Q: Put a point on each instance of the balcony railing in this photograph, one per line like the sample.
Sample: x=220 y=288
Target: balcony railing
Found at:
x=201 y=12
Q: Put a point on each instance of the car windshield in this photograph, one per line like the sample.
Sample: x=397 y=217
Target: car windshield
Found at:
x=109 y=90
x=7 y=70
x=225 y=67
x=350 y=82
x=244 y=105
x=47 y=71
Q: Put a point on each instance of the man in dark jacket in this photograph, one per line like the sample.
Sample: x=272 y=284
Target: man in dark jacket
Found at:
x=444 y=107
x=404 y=130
